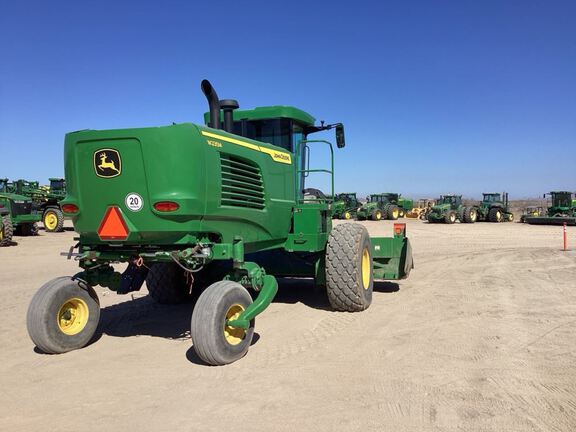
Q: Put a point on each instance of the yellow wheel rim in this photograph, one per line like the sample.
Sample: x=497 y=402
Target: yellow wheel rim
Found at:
x=452 y=218
x=347 y=215
x=234 y=335
x=50 y=220
x=395 y=214
x=2 y=233
x=378 y=215
x=366 y=269
x=73 y=316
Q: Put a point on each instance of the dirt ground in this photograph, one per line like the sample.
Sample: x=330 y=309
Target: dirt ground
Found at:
x=481 y=337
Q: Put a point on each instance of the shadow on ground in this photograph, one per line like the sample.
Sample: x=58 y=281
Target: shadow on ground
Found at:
x=142 y=316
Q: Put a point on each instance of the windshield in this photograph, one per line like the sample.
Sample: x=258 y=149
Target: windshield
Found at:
x=491 y=197
x=57 y=184
x=563 y=199
x=278 y=132
x=391 y=196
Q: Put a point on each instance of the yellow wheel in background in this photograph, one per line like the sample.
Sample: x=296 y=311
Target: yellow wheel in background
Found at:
x=73 y=316
x=53 y=220
x=50 y=221
x=234 y=335
x=347 y=216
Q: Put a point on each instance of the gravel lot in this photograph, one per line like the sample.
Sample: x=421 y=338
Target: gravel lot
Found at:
x=481 y=337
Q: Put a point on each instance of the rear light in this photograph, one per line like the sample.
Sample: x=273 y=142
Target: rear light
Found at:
x=166 y=206
x=399 y=229
x=70 y=208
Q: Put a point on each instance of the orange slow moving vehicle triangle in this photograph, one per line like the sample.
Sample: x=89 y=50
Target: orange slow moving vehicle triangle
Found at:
x=113 y=226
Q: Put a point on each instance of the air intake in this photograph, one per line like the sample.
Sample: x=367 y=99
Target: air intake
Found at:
x=241 y=183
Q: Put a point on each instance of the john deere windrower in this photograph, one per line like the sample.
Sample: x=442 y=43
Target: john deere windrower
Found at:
x=561 y=210
x=214 y=210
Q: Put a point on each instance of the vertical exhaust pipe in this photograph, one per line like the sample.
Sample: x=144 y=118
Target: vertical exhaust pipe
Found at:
x=228 y=106
x=213 y=103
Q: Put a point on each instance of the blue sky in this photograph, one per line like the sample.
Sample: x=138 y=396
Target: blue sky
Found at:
x=436 y=96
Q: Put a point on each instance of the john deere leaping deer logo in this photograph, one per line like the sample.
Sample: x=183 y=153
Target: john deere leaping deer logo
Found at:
x=107 y=163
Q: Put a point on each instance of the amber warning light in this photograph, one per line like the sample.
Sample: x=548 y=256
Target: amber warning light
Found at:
x=113 y=226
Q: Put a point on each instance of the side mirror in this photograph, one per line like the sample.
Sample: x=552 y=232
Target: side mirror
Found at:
x=340 y=141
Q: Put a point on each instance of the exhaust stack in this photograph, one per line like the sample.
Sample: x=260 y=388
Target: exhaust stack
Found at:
x=213 y=103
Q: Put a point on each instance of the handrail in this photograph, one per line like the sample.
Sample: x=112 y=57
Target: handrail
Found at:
x=308 y=170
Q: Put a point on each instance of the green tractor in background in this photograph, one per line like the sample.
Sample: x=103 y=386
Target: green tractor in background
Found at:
x=494 y=208
x=19 y=217
x=561 y=210
x=449 y=209
x=345 y=206
x=46 y=201
x=379 y=206
x=239 y=221
x=405 y=205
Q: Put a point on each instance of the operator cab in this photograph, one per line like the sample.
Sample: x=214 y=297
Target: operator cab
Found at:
x=279 y=125
x=283 y=126
x=491 y=197
x=561 y=198
x=450 y=199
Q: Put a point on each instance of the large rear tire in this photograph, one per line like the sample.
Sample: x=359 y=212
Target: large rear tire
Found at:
x=393 y=212
x=7 y=231
x=495 y=215
x=470 y=215
x=53 y=220
x=167 y=284
x=63 y=315
x=349 y=277
x=214 y=341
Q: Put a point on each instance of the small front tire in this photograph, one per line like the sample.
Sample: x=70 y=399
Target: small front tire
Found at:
x=63 y=315
x=214 y=341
